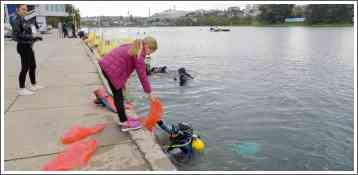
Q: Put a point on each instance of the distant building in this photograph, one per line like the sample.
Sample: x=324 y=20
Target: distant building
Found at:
x=200 y=12
x=235 y=11
x=44 y=10
x=295 y=19
x=252 y=10
x=169 y=14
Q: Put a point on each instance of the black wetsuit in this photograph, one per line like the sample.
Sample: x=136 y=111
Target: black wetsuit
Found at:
x=22 y=34
x=65 y=31
x=156 y=70
x=73 y=31
x=181 y=140
x=183 y=76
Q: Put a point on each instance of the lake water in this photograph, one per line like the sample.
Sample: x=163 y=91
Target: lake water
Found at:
x=262 y=99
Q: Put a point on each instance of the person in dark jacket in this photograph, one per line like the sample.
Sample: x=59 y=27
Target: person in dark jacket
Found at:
x=65 y=31
x=22 y=34
x=73 y=28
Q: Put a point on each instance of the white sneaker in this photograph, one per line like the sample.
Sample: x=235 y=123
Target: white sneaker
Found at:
x=128 y=119
x=119 y=123
x=24 y=91
x=35 y=87
x=130 y=125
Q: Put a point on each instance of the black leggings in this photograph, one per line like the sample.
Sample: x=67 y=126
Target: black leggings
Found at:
x=28 y=63
x=118 y=100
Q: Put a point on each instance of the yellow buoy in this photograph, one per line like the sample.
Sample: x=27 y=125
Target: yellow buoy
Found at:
x=198 y=145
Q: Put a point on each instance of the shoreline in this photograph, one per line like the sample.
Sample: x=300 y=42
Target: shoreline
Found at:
x=225 y=26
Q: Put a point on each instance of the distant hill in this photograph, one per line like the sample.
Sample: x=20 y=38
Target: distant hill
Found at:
x=170 y=14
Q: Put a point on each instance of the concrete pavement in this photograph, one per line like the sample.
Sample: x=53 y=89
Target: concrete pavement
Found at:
x=34 y=124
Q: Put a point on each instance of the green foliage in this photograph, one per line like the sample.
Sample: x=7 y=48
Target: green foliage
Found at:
x=53 y=20
x=212 y=20
x=329 y=13
x=73 y=14
x=297 y=11
x=274 y=13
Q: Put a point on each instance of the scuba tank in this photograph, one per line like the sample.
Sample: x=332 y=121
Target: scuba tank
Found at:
x=197 y=144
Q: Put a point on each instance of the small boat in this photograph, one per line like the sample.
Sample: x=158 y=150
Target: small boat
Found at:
x=212 y=29
x=225 y=30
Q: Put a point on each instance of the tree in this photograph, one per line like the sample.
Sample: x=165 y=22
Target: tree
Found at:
x=274 y=13
x=53 y=20
x=297 y=11
x=329 y=13
x=73 y=14
x=77 y=18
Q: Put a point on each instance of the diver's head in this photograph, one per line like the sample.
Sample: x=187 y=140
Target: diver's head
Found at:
x=21 y=9
x=164 y=69
x=181 y=70
x=182 y=129
x=185 y=128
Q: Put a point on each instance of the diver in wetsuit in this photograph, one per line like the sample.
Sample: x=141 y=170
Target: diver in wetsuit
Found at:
x=181 y=136
x=183 y=76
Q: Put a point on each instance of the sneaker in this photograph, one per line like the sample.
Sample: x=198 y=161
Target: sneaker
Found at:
x=129 y=118
x=35 y=87
x=132 y=118
x=128 y=105
x=24 y=91
x=130 y=125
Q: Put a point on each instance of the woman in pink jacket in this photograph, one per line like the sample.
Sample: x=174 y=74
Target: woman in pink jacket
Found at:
x=117 y=67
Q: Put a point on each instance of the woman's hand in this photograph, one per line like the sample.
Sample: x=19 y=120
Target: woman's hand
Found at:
x=151 y=97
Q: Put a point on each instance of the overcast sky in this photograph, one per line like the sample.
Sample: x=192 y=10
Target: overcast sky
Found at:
x=141 y=8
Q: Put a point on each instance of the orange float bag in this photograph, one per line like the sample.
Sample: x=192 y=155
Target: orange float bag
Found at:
x=75 y=155
x=77 y=133
x=155 y=112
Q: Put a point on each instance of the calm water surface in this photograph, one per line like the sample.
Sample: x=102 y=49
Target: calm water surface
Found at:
x=262 y=98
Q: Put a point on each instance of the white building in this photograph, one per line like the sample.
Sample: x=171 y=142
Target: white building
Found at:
x=43 y=11
x=235 y=11
x=46 y=10
x=301 y=19
x=169 y=14
x=252 y=10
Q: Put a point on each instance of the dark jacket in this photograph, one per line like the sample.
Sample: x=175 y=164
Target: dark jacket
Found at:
x=22 y=32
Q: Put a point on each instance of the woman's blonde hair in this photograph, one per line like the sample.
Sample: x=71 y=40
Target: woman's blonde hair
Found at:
x=150 y=41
